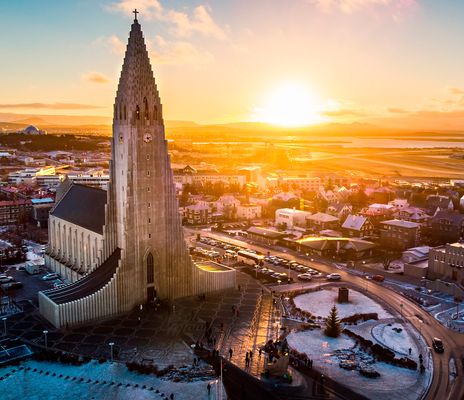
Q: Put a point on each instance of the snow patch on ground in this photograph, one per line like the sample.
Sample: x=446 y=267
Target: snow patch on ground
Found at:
x=398 y=341
x=394 y=382
x=320 y=302
x=30 y=385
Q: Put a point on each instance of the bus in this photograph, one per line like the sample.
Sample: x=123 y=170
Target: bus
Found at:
x=249 y=258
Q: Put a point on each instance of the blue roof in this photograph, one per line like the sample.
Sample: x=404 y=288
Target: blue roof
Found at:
x=42 y=201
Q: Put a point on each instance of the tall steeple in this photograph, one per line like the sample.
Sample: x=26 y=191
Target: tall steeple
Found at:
x=137 y=87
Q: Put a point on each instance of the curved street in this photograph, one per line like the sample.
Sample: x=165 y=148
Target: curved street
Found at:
x=444 y=385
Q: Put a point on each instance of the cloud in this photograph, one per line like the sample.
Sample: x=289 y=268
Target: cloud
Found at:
x=177 y=52
x=184 y=24
x=343 y=112
x=455 y=90
x=113 y=42
x=95 y=77
x=395 y=8
x=51 y=106
x=440 y=113
x=396 y=110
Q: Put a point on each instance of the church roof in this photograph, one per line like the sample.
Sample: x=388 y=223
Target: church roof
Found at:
x=84 y=206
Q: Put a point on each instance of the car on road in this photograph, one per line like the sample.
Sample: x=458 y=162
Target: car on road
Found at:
x=50 y=277
x=437 y=345
x=334 y=277
x=6 y=279
x=378 y=278
x=305 y=277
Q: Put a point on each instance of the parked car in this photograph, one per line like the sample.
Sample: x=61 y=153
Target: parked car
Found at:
x=438 y=345
x=50 y=277
x=305 y=277
x=378 y=278
x=6 y=279
x=334 y=277
x=12 y=285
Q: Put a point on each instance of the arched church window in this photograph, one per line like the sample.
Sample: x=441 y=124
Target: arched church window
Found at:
x=115 y=111
x=125 y=112
x=150 y=269
x=137 y=112
x=120 y=112
x=155 y=113
x=145 y=109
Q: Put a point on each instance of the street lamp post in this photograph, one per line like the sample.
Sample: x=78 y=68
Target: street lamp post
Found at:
x=45 y=338
x=401 y=309
x=4 y=326
x=111 y=344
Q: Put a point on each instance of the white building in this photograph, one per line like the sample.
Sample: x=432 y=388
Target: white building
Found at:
x=399 y=203
x=248 y=211
x=291 y=217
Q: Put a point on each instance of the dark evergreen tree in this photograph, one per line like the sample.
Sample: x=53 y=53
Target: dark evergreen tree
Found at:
x=332 y=327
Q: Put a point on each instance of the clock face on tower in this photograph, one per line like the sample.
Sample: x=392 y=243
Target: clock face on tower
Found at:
x=147 y=138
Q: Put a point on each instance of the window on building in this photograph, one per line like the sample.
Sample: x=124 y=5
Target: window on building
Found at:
x=145 y=109
x=155 y=113
x=150 y=269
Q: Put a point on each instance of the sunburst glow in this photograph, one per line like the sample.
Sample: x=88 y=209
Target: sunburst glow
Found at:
x=290 y=105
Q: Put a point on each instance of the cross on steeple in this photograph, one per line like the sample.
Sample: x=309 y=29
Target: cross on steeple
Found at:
x=135 y=12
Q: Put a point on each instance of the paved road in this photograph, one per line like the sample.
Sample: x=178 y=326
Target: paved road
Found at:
x=443 y=386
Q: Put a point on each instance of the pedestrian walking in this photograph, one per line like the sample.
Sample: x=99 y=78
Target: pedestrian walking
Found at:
x=230 y=353
x=260 y=351
x=251 y=356
x=208 y=388
x=171 y=397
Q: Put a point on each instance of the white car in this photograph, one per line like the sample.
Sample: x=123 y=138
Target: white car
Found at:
x=334 y=277
x=50 y=277
x=6 y=279
x=305 y=277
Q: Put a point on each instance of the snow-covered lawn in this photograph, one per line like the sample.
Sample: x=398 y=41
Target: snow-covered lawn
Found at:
x=400 y=342
x=394 y=382
x=320 y=302
x=32 y=385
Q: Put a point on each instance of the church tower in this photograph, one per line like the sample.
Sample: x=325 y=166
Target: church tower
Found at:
x=148 y=226
x=128 y=241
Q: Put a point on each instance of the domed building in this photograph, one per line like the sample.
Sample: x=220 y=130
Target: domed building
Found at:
x=32 y=130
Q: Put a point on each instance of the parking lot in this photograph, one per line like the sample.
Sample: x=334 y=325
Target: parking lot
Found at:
x=265 y=267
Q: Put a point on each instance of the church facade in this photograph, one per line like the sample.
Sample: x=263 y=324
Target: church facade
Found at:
x=125 y=246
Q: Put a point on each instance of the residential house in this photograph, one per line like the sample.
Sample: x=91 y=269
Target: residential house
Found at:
x=248 y=211
x=340 y=210
x=416 y=254
x=197 y=215
x=357 y=226
x=446 y=227
x=321 y=221
x=435 y=202
x=399 y=235
x=412 y=214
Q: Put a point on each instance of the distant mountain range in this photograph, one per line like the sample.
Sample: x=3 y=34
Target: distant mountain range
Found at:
x=100 y=125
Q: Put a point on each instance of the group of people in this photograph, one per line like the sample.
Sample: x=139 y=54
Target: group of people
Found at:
x=300 y=359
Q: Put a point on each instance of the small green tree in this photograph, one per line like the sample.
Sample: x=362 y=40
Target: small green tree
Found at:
x=332 y=327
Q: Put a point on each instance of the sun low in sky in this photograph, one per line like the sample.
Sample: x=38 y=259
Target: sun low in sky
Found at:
x=388 y=63
x=289 y=104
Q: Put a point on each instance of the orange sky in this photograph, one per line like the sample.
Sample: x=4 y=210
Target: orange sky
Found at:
x=389 y=62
